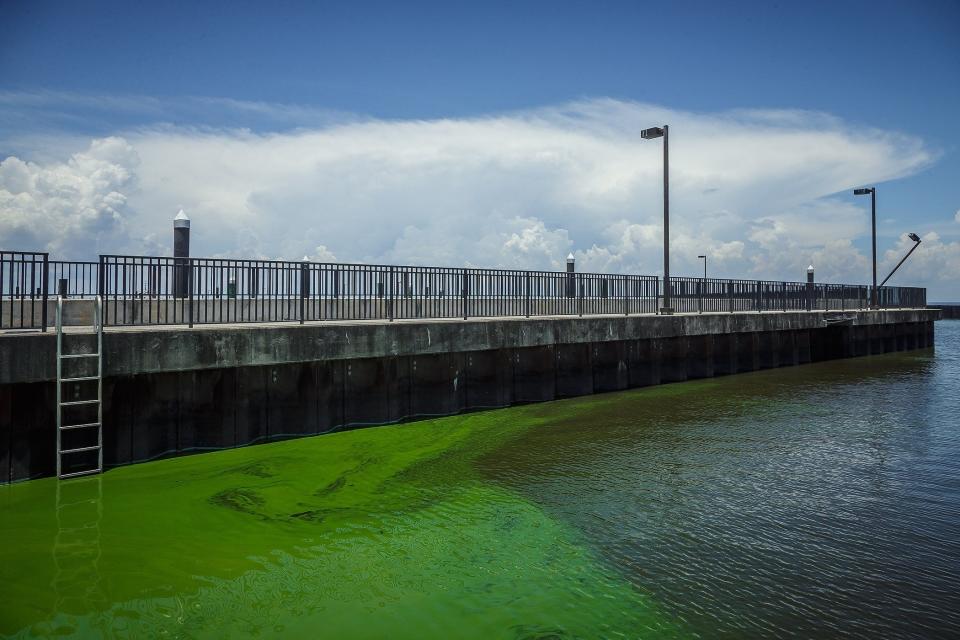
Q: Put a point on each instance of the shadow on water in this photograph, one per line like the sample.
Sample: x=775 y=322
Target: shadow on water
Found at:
x=813 y=501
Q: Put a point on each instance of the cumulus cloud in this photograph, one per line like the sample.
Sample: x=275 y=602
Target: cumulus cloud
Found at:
x=72 y=208
x=752 y=189
x=956 y=216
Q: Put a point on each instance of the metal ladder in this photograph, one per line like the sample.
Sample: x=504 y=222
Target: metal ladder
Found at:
x=98 y=425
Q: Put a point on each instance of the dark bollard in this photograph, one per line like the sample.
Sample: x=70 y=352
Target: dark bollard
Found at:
x=304 y=287
x=181 y=251
x=62 y=287
x=810 y=288
x=571 y=286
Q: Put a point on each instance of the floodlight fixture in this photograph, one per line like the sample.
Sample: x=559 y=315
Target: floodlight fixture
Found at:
x=652 y=132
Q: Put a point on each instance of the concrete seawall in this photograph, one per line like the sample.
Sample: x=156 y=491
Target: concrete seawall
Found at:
x=174 y=390
x=948 y=311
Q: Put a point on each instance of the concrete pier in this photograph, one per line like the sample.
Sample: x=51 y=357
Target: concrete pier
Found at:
x=172 y=390
x=948 y=311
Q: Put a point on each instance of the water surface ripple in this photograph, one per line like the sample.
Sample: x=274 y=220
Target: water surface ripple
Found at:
x=815 y=501
x=820 y=501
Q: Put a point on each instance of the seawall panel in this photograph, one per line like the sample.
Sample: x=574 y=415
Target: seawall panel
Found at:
x=156 y=414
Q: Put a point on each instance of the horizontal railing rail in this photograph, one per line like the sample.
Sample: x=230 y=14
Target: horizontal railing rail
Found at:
x=23 y=290
x=155 y=290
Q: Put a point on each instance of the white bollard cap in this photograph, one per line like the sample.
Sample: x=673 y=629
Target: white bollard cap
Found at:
x=181 y=221
x=810 y=269
x=570 y=258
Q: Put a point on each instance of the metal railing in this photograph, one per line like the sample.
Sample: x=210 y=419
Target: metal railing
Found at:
x=712 y=295
x=152 y=290
x=23 y=290
x=73 y=279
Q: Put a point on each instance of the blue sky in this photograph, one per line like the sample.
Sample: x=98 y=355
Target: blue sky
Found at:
x=155 y=74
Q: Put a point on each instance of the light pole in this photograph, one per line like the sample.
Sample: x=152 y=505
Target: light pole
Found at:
x=704 y=266
x=650 y=134
x=916 y=239
x=873 y=226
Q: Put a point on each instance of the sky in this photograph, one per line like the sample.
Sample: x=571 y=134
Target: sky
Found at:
x=488 y=134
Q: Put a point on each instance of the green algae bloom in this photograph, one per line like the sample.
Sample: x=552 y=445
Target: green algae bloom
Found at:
x=384 y=532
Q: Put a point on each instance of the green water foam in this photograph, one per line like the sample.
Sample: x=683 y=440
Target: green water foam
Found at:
x=373 y=533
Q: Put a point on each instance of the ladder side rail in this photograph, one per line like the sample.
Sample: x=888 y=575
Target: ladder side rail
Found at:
x=59 y=383
x=98 y=320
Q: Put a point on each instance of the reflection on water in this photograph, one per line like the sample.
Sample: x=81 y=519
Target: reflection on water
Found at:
x=815 y=501
x=806 y=502
x=77 y=547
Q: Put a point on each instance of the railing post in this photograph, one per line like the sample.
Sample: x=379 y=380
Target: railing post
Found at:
x=304 y=288
x=463 y=292
x=390 y=295
x=580 y=293
x=626 y=295
x=759 y=297
x=44 y=278
x=527 y=301
x=101 y=287
x=190 y=289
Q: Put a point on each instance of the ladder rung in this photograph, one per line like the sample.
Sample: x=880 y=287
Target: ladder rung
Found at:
x=77 y=531
x=74 y=403
x=83 y=379
x=64 y=476
x=67 y=505
x=80 y=355
x=65 y=427
x=80 y=449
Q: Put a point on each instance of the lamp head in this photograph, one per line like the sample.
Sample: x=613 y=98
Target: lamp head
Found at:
x=651 y=133
x=863 y=192
x=704 y=257
x=914 y=237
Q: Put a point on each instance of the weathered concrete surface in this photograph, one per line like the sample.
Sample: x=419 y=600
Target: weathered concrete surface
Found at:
x=76 y=311
x=30 y=357
x=175 y=391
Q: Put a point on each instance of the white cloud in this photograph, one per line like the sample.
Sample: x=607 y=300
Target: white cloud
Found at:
x=956 y=216
x=752 y=189
x=73 y=208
